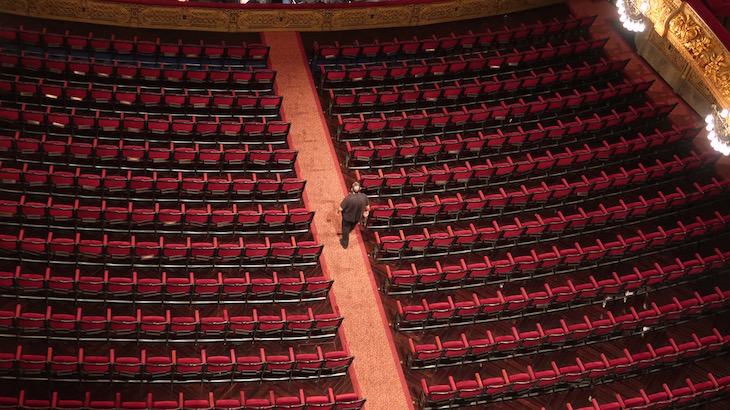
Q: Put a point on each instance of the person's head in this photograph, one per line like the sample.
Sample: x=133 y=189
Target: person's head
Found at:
x=356 y=187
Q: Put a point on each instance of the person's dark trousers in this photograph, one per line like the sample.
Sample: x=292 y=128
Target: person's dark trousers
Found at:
x=347 y=227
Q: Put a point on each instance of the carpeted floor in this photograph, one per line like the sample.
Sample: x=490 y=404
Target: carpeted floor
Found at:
x=366 y=329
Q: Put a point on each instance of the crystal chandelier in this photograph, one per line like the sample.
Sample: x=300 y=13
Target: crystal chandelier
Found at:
x=631 y=15
x=719 y=131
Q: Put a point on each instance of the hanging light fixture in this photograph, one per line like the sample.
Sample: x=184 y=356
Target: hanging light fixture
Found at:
x=719 y=131
x=631 y=15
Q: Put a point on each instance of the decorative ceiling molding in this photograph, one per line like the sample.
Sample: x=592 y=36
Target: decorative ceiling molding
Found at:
x=691 y=36
x=318 y=17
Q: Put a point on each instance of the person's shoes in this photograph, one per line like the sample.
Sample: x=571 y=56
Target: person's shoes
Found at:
x=343 y=243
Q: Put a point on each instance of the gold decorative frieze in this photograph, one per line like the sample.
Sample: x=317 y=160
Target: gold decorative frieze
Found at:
x=693 y=40
x=245 y=19
x=14 y=6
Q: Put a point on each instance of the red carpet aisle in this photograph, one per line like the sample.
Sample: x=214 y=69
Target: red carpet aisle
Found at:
x=376 y=366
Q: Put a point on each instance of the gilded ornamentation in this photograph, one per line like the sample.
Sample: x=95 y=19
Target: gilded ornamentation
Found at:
x=241 y=19
x=14 y=6
x=688 y=33
x=716 y=70
x=261 y=20
x=703 y=50
x=434 y=12
x=692 y=48
x=107 y=13
x=302 y=19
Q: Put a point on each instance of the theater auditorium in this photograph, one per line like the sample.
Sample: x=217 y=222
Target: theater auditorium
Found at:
x=549 y=204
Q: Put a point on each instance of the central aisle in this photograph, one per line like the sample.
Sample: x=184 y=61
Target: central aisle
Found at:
x=366 y=330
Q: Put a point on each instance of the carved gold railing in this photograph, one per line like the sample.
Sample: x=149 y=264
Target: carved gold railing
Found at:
x=255 y=17
x=700 y=41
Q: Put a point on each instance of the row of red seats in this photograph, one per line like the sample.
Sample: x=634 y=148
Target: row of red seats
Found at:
x=515 y=232
x=456 y=178
x=213 y=130
x=478 y=309
x=402 y=72
x=172 y=366
x=467 y=240
x=455 y=149
x=450 y=313
x=479 y=390
x=135 y=101
x=166 y=289
x=457 y=208
x=152 y=218
x=355 y=101
x=129 y=185
x=416 y=246
x=145 y=156
x=512 y=268
x=415 y=280
x=109 y=327
x=122 y=72
x=471 y=62
x=405 y=126
x=574 y=103
x=465 y=350
x=125 y=251
x=49 y=39
x=468 y=119
x=462 y=44
x=691 y=394
x=327 y=401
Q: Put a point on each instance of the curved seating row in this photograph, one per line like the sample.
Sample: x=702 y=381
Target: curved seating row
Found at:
x=121 y=72
x=327 y=401
x=141 y=101
x=142 y=218
x=433 y=243
x=510 y=268
x=449 y=45
x=459 y=149
x=166 y=289
x=126 y=251
x=51 y=40
x=448 y=149
x=201 y=130
x=138 y=185
x=157 y=131
x=173 y=157
x=432 y=315
x=450 y=123
x=419 y=280
x=691 y=394
x=523 y=303
x=416 y=72
x=361 y=102
x=575 y=103
x=172 y=366
x=532 y=382
x=454 y=208
x=92 y=326
x=468 y=350
x=402 y=182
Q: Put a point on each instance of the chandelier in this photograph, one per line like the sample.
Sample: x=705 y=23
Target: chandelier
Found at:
x=719 y=130
x=631 y=15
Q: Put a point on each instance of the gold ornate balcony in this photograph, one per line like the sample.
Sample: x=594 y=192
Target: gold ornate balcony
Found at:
x=255 y=17
x=695 y=44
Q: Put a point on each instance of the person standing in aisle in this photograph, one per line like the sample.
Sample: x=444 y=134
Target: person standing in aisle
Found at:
x=353 y=208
